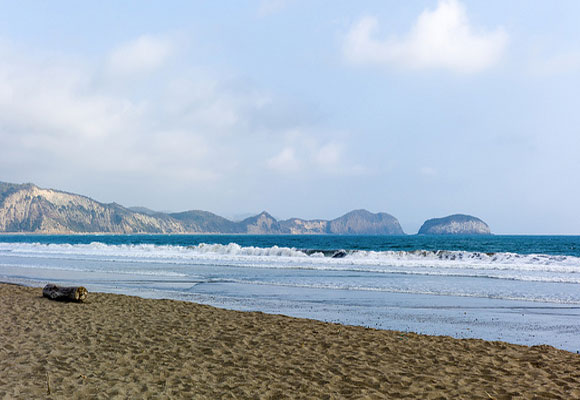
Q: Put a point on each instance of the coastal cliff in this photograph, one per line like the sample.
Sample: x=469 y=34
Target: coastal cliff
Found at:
x=357 y=222
x=362 y=222
x=458 y=224
x=28 y=208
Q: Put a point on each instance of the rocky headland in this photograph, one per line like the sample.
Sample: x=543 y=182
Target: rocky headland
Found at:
x=28 y=208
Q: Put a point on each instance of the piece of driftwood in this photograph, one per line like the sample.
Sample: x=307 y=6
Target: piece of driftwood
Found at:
x=64 y=293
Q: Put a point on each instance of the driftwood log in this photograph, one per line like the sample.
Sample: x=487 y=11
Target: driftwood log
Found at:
x=64 y=293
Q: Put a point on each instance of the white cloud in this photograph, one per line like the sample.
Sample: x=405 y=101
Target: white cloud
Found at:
x=54 y=113
x=269 y=7
x=285 y=161
x=304 y=151
x=36 y=98
x=329 y=155
x=144 y=54
x=65 y=121
x=441 y=38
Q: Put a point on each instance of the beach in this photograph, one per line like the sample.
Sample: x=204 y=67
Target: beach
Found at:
x=480 y=290
x=117 y=346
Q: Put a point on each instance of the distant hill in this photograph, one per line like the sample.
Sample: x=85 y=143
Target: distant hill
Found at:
x=259 y=224
x=204 y=221
x=28 y=208
x=362 y=222
x=143 y=210
x=301 y=226
x=357 y=222
x=458 y=224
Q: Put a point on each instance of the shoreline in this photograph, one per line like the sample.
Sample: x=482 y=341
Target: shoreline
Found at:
x=517 y=322
x=496 y=234
x=124 y=346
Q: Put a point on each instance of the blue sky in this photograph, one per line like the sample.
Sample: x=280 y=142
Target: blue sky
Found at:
x=310 y=109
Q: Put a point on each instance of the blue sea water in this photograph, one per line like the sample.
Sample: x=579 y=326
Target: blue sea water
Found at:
x=520 y=289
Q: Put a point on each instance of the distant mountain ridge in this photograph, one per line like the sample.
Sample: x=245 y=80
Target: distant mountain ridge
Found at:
x=28 y=208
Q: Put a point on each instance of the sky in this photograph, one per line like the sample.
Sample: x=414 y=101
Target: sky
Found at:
x=302 y=108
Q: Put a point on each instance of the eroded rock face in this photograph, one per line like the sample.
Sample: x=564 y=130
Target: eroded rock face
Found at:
x=28 y=208
x=357 y=222
x=260 y=224
x=363 y=222
x=298 y=226
x=458 y=224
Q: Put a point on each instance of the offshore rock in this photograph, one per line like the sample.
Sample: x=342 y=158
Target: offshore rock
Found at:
x=458 y=224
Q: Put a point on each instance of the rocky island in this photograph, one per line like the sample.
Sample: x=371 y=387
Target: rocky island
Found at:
x=457 y=224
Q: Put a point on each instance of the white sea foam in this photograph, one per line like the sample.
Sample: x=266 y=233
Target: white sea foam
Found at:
x=454 y=293
x=534 y=277
x=291 y=257
x=82 y=268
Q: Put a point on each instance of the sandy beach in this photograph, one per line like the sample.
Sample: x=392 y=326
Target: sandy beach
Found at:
x=116 y=346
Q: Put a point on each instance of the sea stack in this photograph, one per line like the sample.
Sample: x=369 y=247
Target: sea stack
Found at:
x=457 y=224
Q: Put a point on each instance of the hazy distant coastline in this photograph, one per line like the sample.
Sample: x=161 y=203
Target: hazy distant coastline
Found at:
x=29 y=209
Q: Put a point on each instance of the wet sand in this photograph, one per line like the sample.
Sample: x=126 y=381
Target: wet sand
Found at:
x=117 y=346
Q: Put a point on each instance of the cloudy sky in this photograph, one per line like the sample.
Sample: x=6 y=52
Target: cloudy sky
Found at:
x=309 y=109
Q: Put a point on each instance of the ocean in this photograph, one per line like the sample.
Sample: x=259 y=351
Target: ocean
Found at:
x=519 y=289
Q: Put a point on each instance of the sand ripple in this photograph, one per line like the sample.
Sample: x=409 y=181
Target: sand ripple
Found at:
x=126 y=347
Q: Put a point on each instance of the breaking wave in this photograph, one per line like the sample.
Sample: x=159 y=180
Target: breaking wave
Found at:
x=499 y=275
x=292 y=257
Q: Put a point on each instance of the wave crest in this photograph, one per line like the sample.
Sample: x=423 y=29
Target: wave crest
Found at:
x=279 y=256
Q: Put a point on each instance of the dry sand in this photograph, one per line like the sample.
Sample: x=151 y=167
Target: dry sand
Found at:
x=126 y=347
